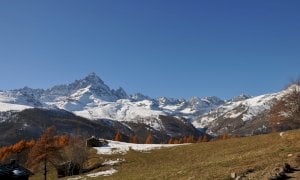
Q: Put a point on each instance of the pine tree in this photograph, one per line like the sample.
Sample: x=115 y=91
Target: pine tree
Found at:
x=118 y=137
x=149 y=139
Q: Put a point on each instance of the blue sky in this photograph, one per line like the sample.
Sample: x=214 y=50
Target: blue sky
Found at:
x=159 y=48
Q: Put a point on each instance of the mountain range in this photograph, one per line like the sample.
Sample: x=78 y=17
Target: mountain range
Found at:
x=92 y=100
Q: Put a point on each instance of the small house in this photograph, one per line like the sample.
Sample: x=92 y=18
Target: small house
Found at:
x=94 y=142
x=14 y=171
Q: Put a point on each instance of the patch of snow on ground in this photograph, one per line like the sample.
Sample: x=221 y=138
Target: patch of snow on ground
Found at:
x=281 y=134
x=77 y=178
x=116 y=147
x=103 y=173
x=113 y=162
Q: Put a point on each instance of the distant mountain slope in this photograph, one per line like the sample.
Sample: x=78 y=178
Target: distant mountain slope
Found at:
x=91 y=99
x=30 y=123
x=247 y=116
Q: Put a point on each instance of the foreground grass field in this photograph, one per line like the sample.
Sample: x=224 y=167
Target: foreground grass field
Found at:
x=255 y=157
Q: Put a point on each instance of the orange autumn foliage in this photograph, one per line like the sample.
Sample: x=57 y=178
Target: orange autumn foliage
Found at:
x=46 y=150
x=134 y=139
x=176 y=141
x=149 y=139
x=118 y=137
x=171 y=141
x=190 y=139
x=20 y=146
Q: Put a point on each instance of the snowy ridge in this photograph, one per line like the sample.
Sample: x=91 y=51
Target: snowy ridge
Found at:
x=246 y=109
x=91 y=98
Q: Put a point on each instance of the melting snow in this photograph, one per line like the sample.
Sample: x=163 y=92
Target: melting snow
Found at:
x=77 y=178
x=103 y=173
x=116 y=147
x=17 y=172
x=113 y=162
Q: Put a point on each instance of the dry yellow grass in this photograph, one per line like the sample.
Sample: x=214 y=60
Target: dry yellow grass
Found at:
x=257 y=155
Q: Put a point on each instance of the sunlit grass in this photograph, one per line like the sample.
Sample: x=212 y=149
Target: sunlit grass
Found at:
x=259 y=155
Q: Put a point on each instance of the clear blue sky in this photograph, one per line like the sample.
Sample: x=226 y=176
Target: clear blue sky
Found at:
x=159 y=48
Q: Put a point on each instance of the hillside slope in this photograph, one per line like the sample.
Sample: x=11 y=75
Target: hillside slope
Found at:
x=30 y=124
x=248 y=116
x=256 y=157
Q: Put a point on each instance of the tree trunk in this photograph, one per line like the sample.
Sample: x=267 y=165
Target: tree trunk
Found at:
x=45 y=169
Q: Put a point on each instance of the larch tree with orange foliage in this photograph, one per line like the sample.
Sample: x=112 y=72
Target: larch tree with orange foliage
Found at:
x=134 y=139
x=199 y=140
x=225 y=136
x=46 y=150
x=16 y=149
x=171 y=141
x=149 y=139
x=205 y=138
x=118 y=137
x=190 y=139
x=185 y=139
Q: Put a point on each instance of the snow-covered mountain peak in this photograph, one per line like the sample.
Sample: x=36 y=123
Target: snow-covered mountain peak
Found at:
x=91 y=79
x=90 y=97
x=139 y=97
x=120 y=93
x=94 y=84
x=241 y=97
x=213 y=100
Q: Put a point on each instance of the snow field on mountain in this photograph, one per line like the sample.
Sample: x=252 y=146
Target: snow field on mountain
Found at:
x=12 y=107
x=251 y=108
